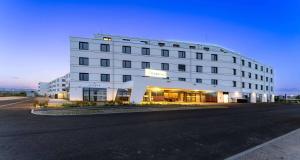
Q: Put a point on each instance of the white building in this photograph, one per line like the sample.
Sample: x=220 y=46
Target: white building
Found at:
x=57 y=88
x=141 y=70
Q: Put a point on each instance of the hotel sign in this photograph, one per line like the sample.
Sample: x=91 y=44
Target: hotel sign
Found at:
x=155 y=73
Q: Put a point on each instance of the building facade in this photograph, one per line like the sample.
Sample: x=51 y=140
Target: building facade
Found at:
x=137 y=70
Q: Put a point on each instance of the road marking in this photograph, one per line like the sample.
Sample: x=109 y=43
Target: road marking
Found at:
x=4 y=105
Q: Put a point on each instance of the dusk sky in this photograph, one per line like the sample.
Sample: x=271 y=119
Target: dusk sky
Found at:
x=34 y=35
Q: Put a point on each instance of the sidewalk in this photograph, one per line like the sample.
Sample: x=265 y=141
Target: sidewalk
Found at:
x=112 y=110
x=286 y=147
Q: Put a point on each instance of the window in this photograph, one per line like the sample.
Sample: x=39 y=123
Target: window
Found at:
x=250 y=86
x=126 y=78
x=106 y=38
x=234 y=83
x=234 y=59
x=243 y=62
x=181 y=79
x=105 y=78
x=261 y=87
x=145 y=65
x=206 y=48
x=214 y=57
x=199 y=56
x=267 y=88
x=83 y=61
x=214 y=69
x=145 y=42
x=126 y=49
x=243 y=84
x=243 y=73
x=234 y=71
x=192 y=47
x=267 y=79
x=126 y=64
x=272 y=89
x=165 y=53
x=165 y=66
x=256 y=86
x=261 y=68
x=181 y=54
x=145 y=51
x=105 y=62
x=214 y=82
x=198 y=80
x=199 y=69
x=104 y=47
x=271 y=70
x=249 y=75
x=256 y=76
x=249 y=64
x=161 y=44
x=176 y=45
x=267 y=70
x=261 y=78
x=83 y=46
x=181 y=67
x=63 y=85
x=126 y=39
x=256 y=66
x=271 y=80
x=83 y=76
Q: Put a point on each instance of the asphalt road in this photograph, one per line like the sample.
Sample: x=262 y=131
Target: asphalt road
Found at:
x=197 y=134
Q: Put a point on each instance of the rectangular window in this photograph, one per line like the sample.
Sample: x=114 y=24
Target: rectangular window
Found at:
x=250 y=85
x=105 y=62
x=267 y=70
x=267 y=88
x=83 y=76
x=161 y=44
x=249 y=75
x=261 y=87
x=243 y=62
x=206 y=48
x=83 y=46
x=126 y=78
x=261 y=78
x=104 y=48
x=145 y=65
x=214 y=57
x=199 y=56
x=214 y=82
x=181 y=67
x=176 y=45
x=256 y=86
x=256 y=76
x=181 y=79
x=192 y=47
x=261 y=68
x=126 y=64
x=243 y=73
x=249 y=64
x=243 y=84
x=267 y=79
x=271 y=80
x=234 y=83
x=234 y=59
x=256 y=66
x=83 y=61
x=198 y=80
x=165 y=53
x=214 y=69
x=145 y=51
x=165 y=66
x=234 y=71
x=271 y=70
x=199 y=69
x=105 y=77
x=181 y=54
x=126 y=49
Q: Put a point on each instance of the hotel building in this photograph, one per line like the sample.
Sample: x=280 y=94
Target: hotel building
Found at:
x=138 y=70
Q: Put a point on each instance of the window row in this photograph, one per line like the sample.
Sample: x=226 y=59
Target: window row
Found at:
x=261 y=77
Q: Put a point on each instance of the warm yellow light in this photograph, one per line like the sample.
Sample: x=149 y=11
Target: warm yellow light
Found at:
x=156 y=89
x=155 y=73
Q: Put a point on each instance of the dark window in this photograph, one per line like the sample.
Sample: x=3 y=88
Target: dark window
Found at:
x=165 y=53
x=267 y=88
x=145 y=51
x=261 y=87
x=206 y=48
x=126 y=64
x=105 y=77
x=126 y=78
x=243 y=73
x=105 y=62
x=214 y=57
x=243 y=62
x=83 y=61
x=145 y=65
x=234 y=59
x=267 y=79
x=267 y=70
x=214 y=82
x=243 y=84
x=250 y=85
x=199 y=56
x=271 y=79
x=181 y=54
x=126 y=49
x=261 y=68
x=104 y=47
x=261 y=78
x=234 y=71
x=83 y=46
x=83 y=76
x=199 y=69
x=256 y=76
x=181 y=79
x=256 y=66
x=192 y=47
x=249 y=75
x=161 y=44
x=272 y=89
x=165 y=66
x=256 y=86
x=214 y=69
x=176 y=45
x=181 y=67
x=198 y=80
x=234 y=83
x=271 y=70
x=249 y=64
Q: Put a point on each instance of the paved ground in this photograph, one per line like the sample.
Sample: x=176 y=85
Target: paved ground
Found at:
x=197 y=134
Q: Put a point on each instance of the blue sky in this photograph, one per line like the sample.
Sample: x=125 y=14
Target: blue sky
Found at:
x=34 y=35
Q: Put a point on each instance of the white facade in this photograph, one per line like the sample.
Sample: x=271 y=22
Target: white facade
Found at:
x=57 y=88
x=43 y=88
x=100 y=62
